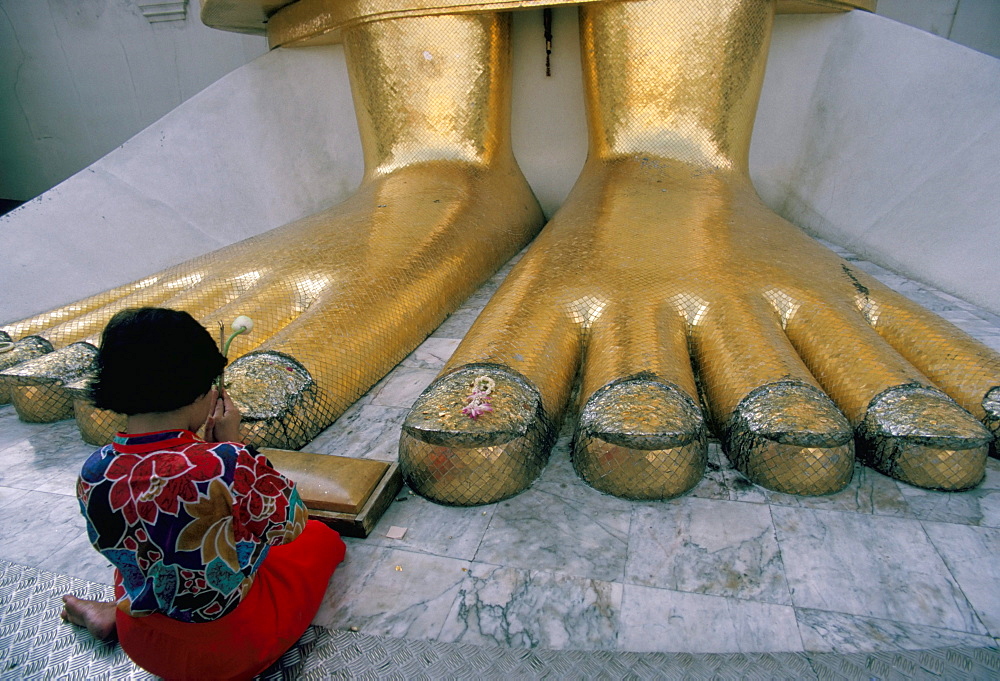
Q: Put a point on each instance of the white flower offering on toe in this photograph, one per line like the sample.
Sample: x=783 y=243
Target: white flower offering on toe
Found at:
x=479 y=400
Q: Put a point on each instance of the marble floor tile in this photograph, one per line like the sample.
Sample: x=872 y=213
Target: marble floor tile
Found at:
x=430 y=528
x=477 y=301
x=723 y=548
x=991 y=341
x=365 y=431
x=659 y=620
x=38 y=525
x=44 y=464
x=403 y=387
x=11 y=495
x=431 y=354
x=390 y=592
x=971 y=553
x=741 y=488
x=46 y=442
x=873 y=566
x=980 y=506
x=457 y=325
x=534 y=609
x=78 y=558
x=827 y=632
x=992 y=479
x=13 y=430
x=713 y=484
x=560 y=524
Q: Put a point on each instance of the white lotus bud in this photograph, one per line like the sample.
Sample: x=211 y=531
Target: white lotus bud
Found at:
x=242 y=324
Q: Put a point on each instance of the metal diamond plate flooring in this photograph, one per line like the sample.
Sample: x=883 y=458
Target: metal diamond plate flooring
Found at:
x=35 y=644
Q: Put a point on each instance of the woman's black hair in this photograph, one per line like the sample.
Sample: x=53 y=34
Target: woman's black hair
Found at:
x=154 y=360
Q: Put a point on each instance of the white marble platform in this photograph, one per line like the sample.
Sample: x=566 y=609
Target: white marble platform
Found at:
x=730 y=567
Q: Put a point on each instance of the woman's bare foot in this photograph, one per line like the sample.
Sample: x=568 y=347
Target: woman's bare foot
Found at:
x=97 y=616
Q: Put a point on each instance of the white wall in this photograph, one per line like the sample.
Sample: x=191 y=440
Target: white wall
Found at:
x=973 y=23
x=80 y=77
x=883 y=138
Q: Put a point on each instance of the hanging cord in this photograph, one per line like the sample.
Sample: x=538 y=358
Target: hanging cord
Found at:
x=547 y=20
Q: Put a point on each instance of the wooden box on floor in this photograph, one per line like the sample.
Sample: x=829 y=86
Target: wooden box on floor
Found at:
x=349 y=495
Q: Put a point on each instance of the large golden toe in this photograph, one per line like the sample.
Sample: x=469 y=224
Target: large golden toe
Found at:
x=920 y=436
x=640 y=438
x=37 y=387
x=452 y=458
x=277 y=398
x=790 y=437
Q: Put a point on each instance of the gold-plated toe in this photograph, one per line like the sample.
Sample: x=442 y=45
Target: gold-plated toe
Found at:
x=640 y=438
x=991 y=408
x=97 y=426
x=920 y=436
x=790 y=437
x=37 y=387
x=452 y=458
x=21 y=351
x=277 y=398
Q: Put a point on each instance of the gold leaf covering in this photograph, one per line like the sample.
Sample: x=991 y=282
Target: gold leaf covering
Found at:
x=664 y=283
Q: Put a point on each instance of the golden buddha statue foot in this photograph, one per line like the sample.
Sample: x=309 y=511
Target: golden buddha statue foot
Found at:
x=340 y=297
x=664 y=283
x=772 y=321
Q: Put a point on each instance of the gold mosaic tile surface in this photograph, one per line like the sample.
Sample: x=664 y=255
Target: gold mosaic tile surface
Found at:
x=664 y=274
x=340 y=297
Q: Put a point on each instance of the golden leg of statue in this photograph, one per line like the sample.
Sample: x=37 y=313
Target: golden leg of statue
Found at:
x=340 y=297
x=665 y=283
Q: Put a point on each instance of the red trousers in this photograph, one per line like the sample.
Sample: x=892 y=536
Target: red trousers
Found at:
x=281 y=603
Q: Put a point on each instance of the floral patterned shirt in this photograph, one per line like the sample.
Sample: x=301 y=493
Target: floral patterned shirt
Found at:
x=186 y=522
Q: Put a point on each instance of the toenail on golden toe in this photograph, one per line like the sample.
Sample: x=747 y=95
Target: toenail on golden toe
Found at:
x=991 y=405
x=920 y=436
x=37 y=386
x=790 y=437
x=277 y=398
x=640 y=438
x=21 y=351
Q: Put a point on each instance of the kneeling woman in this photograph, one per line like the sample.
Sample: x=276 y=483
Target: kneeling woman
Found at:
x=218 y=572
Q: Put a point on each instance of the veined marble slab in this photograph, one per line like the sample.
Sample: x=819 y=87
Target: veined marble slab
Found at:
x=827 y=632
x=971 y=553
x=873 y=566
x=721 y=548
x=365 y=431
x=438 y=530
x=391 y=592
x=534 y=608
x=659 y=620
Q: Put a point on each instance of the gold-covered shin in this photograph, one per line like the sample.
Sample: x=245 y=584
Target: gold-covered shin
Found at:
x=340 y=297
